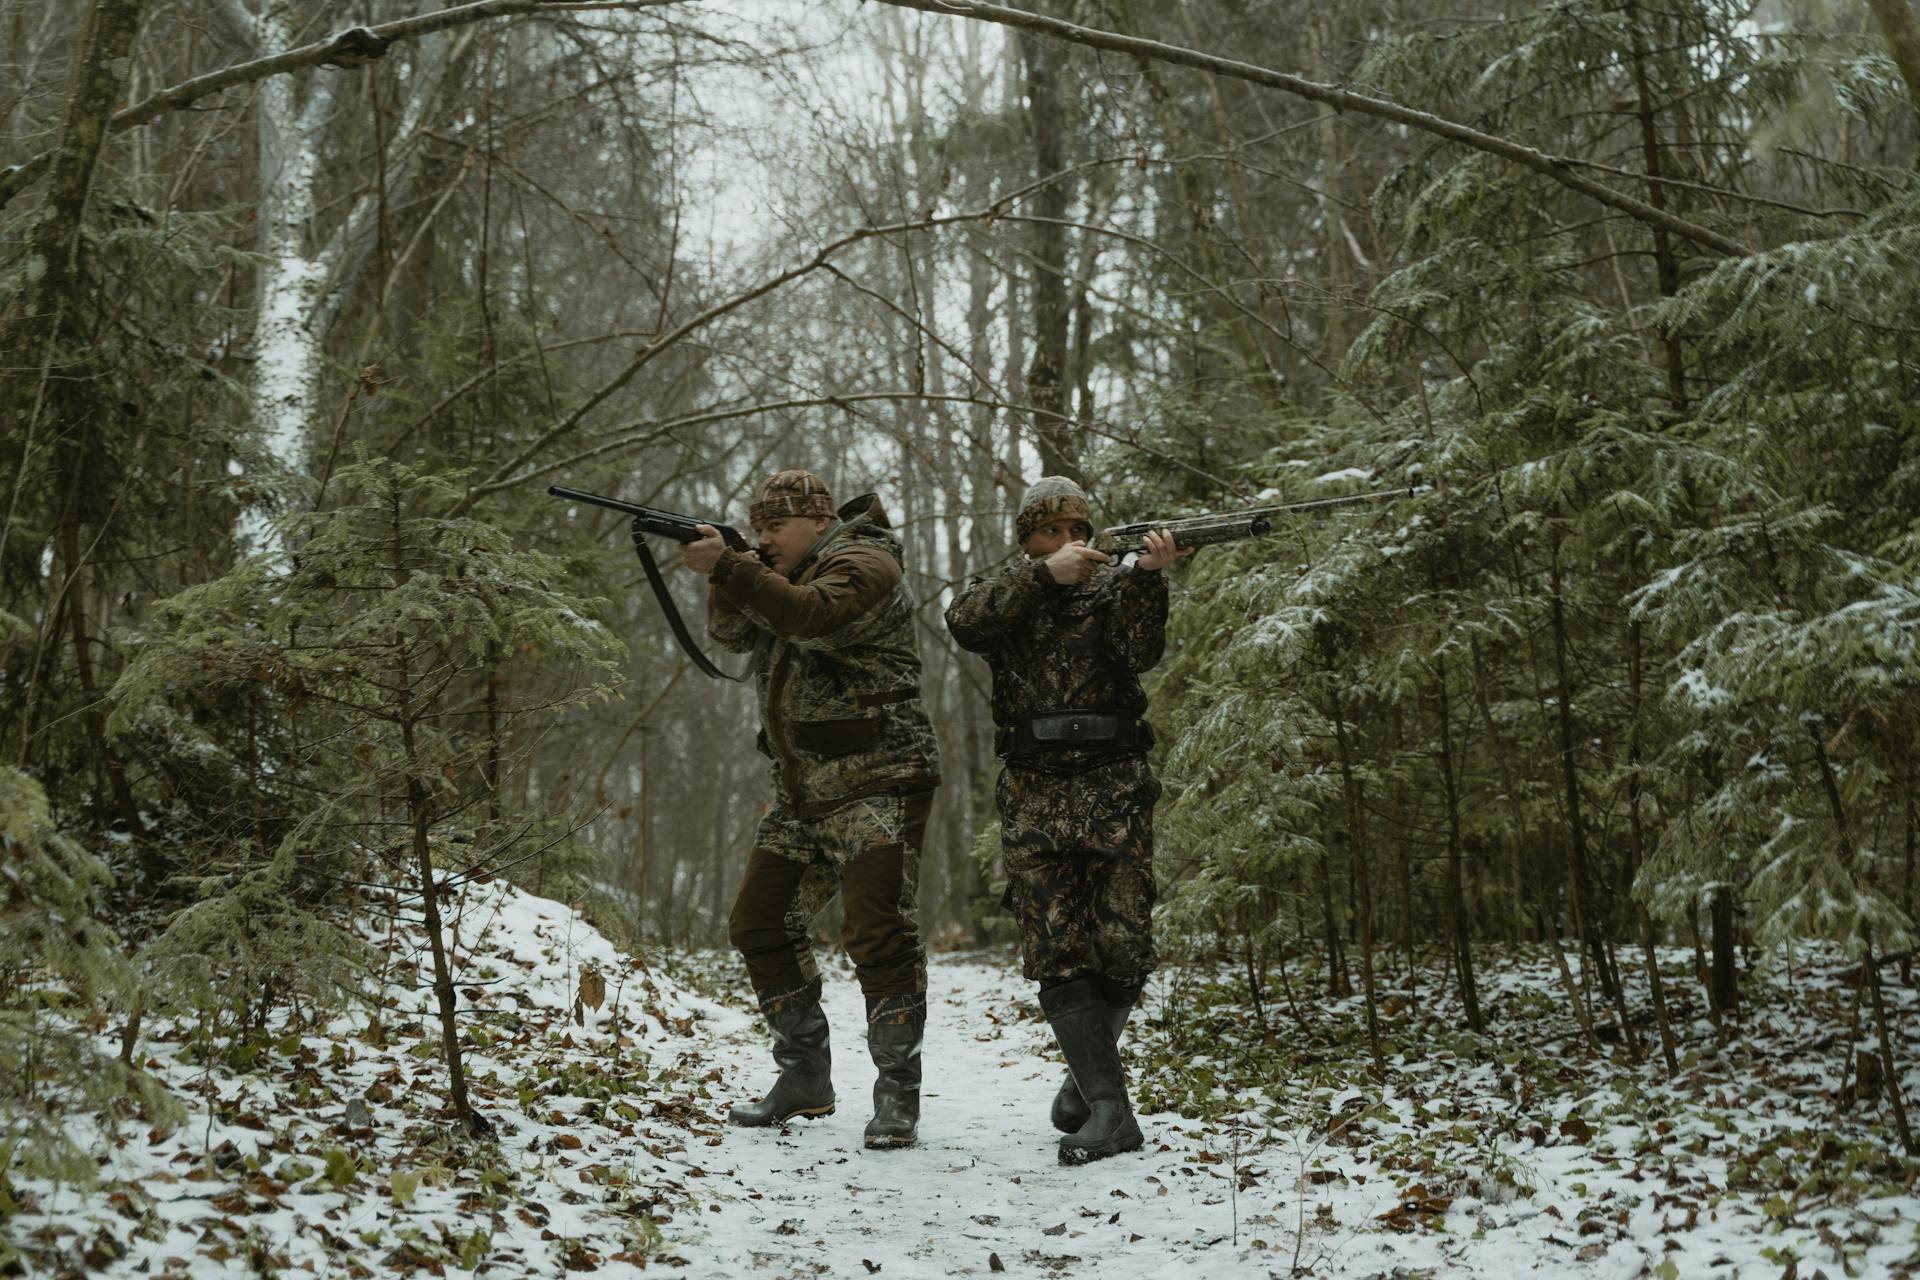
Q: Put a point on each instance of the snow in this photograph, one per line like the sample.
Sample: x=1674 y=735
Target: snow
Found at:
x=1693 y=687
x=1444 y=1162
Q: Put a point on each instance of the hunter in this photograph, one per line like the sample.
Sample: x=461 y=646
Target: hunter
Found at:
x=1067 y=635
x=825 y=613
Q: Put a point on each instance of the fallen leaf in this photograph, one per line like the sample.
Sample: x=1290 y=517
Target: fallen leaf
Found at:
x=593 y=988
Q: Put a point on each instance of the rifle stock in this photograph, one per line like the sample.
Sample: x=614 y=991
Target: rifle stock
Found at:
x=663 y=524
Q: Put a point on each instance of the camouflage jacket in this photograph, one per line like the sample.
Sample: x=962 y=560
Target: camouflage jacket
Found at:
x=835 y=661
x=1054 y=648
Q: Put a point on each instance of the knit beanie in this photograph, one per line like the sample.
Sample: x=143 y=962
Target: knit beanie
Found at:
x=1050 y=498
x=791 y=493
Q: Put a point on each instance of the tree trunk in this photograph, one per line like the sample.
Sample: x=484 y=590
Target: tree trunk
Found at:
x=44 y=334
x=1357 y=850
x=1907 y=755
x=1197 y=199
x=1723 y=991
x=1585 y=924
x=1902 y=34
x=101 y=60
x=1337 y=983
x=1046 y=391
x=1401 y=817
x=1636 y=843
x=496 y=679
x=1843 y=831
x=1336 y=324
x=1665 y=262
x=1459 y=934
x=286 y=345
x=419 y=825
x=1888 y=1068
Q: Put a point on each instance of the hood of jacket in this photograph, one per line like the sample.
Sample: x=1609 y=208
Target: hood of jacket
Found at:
x=861 y=521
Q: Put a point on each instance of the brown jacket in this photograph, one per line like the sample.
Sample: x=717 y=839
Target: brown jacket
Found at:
x=836 y=663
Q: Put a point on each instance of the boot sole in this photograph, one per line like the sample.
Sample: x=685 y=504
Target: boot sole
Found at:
x=889 y=1143
x=1120 y=1145
x=805 y=1113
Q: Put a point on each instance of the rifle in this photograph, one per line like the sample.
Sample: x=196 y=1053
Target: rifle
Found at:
x=1231 y=526
x=663 y=524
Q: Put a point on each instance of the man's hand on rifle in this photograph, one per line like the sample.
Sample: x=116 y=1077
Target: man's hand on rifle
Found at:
x=702 y=555
x=1074 y=562
x=1160 y=552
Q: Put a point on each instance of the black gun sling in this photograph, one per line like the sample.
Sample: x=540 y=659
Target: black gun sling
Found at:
x=1080 y=729
x=672 y=610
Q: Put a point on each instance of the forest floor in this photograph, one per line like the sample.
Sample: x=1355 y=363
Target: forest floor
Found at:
x=323 y=1146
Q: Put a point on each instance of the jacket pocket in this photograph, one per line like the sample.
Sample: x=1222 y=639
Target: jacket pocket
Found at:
x=836 y=737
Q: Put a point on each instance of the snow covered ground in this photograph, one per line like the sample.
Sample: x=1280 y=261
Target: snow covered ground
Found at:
x=326 y=1149
x=983 y=1191
x=1410 y=1177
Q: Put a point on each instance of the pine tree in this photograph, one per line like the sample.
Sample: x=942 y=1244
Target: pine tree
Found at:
x=365 y=637
x=61 y=972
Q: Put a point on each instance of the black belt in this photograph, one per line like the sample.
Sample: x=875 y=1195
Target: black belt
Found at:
x=1085 y=729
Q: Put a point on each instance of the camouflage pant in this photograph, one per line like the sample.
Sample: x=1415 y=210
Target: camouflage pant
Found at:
x=1078 y=852
x=867 y=852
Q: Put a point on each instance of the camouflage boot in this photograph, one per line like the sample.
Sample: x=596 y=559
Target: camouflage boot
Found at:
x=1069 y=1108
x=802 y=1049
x=1079 y=1014
x=896 y=1026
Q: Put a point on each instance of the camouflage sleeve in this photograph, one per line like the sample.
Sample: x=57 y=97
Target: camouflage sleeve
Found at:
x=982 y=615
x=815 y=614
x=1137 y=623
x=727 y=624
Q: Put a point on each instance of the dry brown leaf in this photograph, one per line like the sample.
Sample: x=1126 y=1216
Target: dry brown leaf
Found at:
x=593 y=988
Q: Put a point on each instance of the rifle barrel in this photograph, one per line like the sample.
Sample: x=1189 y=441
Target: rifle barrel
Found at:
x=596 y=499
x=1228 y=526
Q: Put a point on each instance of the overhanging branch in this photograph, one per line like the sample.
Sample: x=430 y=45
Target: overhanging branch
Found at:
x=353 y=48
x=1557 y=168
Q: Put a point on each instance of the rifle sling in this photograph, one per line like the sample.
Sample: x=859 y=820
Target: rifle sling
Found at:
x=672 y=610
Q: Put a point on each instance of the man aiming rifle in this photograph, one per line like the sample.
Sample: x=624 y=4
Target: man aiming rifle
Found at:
x=824 y=611
x=1067 y=630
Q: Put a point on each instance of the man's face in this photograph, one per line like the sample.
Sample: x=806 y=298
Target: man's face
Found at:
x=1055 y=534
x=784 y=539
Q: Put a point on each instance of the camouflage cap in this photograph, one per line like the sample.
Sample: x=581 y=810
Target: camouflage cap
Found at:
x=791 y=493
x=1050 y=498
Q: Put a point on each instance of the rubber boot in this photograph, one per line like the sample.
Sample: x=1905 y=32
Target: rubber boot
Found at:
x=1079 y=1014
x=896 y=1026
x=1069 y=1108
x=802 y=1049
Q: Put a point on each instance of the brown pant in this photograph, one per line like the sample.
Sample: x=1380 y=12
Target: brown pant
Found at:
x=868 y=853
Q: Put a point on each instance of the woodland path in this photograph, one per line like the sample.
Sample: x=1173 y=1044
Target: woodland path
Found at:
x=983 y=1190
